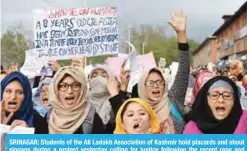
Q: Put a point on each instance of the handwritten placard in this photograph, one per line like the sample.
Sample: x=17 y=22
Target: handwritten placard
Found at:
x=143 y=64
x=76 y=32
x=33 y=64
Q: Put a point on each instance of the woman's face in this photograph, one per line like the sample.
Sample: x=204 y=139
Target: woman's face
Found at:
x=69 y=91
x=44 y=95
x=13 y=96
x=136 y=119
x=99 y=72
x=221 y=106
x=154 y=86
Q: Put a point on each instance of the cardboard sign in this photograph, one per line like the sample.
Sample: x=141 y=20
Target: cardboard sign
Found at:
x=76 y=32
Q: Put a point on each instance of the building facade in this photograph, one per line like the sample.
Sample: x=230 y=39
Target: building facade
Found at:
x=230 y=41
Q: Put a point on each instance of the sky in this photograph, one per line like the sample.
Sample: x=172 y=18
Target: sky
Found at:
x=204 y=16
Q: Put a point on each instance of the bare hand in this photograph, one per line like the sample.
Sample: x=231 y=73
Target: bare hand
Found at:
x=5 y=119
x=54 y=64
x=112 y=86
x=125 y=77
x=18 y=123
x=179 y=21
x=77 y=62
x=13 y=67
x=236 y=67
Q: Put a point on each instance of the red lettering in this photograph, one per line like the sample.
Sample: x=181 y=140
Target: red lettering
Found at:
x=73 y=12
x=63 y=12
x=84 y=11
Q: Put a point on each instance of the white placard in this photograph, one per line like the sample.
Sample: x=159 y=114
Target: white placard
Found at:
x=76 y=32
x=33 y=63
x=16 y=130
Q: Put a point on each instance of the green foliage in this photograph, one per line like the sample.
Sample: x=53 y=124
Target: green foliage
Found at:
x=145 y=38
x=13 y=47
x=152 y=39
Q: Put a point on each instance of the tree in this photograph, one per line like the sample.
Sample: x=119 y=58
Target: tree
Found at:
x=147 y=38
x=13 y=47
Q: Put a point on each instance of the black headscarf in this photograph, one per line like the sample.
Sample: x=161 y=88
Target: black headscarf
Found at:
x=134 y=93
x=202 y=115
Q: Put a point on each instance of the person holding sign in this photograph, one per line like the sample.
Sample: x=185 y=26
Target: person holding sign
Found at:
x=136 y=116
x=217 y=109
x=153 y=88
x=71 y=112
x=16 y=104
x=104 y=95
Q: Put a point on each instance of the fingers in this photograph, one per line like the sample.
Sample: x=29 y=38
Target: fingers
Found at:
x=18 y=123
x=8 y=118
x=2 y=105
x=52 y=62
x=126 y=72
x=178 y=14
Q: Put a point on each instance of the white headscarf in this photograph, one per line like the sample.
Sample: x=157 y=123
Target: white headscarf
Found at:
x=99 y=96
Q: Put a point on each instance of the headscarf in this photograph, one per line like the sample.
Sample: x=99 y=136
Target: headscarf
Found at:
x=161 y=107
x=26 y=111
x=99 y=96
x=202 y=77
x=36 y=98
x=154 y=121
x=202 y=115
x=63 y=120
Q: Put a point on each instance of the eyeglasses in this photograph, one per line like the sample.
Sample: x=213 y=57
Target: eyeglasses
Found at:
x=215 y=95
x=157 y=82
x=45 y=91
x=64 y=86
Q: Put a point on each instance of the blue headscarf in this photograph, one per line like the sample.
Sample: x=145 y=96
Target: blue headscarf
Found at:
x=26 y=111
x=36 y=98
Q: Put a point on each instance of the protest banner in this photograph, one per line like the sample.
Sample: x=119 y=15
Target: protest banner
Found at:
x=16 y=130
x=114 y=64
x=33 y=64
x=141 y=65
x=162 y=63
x=76 y=32
x=174 y=68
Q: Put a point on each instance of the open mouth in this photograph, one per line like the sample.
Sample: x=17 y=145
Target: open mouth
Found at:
x=12 y=105
x=69 y=100
x=220 y=110
x=137 y=125
x=156 y=93
x=45 y=100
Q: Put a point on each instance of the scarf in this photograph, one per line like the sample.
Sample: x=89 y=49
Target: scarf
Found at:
x=38 y=105
x=63 y=120
x=202 y=115
x=99 y=96
x=26 y=111
x=154 y=121
x=161 y=107
x=202 y=77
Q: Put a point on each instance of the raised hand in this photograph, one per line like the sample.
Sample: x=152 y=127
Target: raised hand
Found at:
x=125 y=77
x=236 y=67
x=77 y=62
x=13 y=67
x=178 y=23
x=5 y=119
x=112 y=86
x=54 y=64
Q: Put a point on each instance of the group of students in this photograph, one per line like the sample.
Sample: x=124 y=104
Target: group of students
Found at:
x=68 y=103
